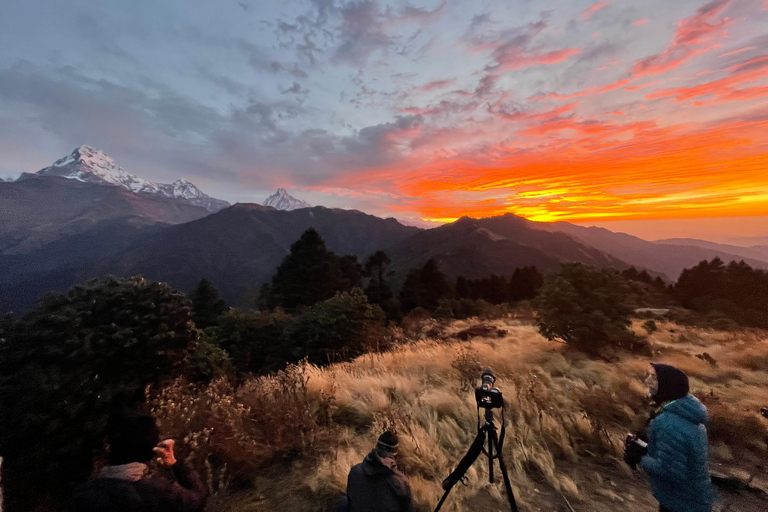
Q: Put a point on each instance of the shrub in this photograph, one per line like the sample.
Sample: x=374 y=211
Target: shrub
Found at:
x=650 y=326
x=239 y=430
x=209 y=361
x=586 y=308
x=67 y=362
x=342 y=327
x=256 y=341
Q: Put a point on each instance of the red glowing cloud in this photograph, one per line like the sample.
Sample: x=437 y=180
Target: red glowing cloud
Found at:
x=695 y=35
x=587 y=13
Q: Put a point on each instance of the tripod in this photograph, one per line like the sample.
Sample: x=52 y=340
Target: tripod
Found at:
x=495 y=444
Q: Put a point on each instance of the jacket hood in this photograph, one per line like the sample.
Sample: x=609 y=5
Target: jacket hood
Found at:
x=673 y=383
x=375 y=465
x=381 y=464
x=689 y=408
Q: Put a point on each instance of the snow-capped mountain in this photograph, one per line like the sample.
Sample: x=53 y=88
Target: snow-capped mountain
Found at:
x=282 y=200
x=91 y=165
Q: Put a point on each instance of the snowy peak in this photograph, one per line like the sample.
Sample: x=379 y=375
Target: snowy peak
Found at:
x=91 y=165
x=282 y=200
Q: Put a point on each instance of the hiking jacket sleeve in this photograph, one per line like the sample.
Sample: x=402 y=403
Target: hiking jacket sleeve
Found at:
x=668 y=451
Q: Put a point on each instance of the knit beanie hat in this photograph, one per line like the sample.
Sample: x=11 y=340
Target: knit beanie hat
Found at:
x=133 y=440
x=388 y=442
x=673 y=383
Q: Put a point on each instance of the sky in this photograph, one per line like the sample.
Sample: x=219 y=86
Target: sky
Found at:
x=645 y=117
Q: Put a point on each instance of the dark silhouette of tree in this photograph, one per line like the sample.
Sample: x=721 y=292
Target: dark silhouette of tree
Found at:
x=735 y=290
x=463 y=289
x=64 y=365
x=522 y=285
x=525 y=283
x=586 y=308
x=309 y=274
x=376 y=269
x=642 y=276
x=351 y=272
x=207 y=304
x=424 y=287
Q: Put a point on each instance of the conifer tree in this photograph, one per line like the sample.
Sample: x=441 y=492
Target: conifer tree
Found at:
x=207 y=304
x=310 y=273
x=377 y=270
x=424 y=287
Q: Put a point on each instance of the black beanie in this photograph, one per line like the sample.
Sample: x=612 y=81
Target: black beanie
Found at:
x=133 y=440
x=673 y=383
x=387 y=442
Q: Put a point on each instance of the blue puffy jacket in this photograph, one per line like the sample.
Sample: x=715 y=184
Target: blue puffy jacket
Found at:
x=677 y=457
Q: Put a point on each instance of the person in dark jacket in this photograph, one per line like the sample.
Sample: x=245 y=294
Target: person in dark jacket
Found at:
x=677 y=453
x=376 y=485
x=124 y=485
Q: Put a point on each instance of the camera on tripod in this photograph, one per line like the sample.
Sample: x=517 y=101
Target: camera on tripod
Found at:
x=486 y=395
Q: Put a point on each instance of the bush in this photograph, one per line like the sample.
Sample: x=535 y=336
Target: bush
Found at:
x=209 y=361
x=342 y=327
x=586 y=308
x=236 y=430
x=650 y=326
x=256 y=341
x=67 y=363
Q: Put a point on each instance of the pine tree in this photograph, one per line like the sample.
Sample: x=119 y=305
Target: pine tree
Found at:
x=525 y=283
x=376 y=269
x=310 y=273
x=424 y=287
x=207 y=304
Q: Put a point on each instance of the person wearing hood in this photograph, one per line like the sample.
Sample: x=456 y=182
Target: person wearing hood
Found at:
x=125 y=484
x=677 y=453
x=376 y=485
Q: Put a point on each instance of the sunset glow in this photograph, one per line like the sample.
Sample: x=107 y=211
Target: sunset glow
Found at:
x=555 y=110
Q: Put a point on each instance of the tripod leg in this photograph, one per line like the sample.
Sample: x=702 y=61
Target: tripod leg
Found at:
x=442 y=500
x=504 y=473
x=474 y=452
x=490 y=455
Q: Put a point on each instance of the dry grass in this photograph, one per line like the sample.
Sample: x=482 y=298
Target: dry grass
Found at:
x=567 y=416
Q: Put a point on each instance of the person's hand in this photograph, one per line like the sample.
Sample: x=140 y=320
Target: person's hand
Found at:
x=633 y=452
x=164 y=451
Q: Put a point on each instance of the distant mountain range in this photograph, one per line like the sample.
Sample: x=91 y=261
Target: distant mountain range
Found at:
x=91 y=165
x=86 y=217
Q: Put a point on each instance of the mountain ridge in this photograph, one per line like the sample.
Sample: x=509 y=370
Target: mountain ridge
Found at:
x=91 y=165
x=282 y=200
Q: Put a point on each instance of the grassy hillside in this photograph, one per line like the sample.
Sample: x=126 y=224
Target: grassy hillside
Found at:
x=286 y=442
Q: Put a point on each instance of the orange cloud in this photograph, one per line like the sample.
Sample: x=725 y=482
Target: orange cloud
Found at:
x=640 y=23
x=602 y=170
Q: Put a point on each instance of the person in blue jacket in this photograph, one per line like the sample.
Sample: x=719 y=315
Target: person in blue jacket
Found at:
x=677 y=453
